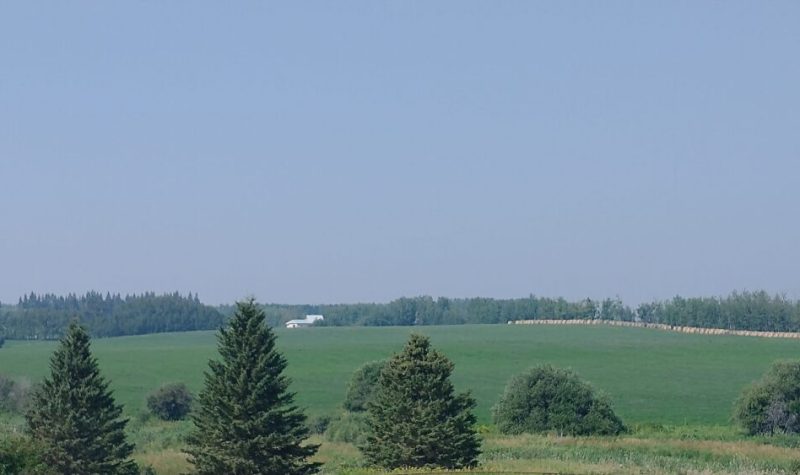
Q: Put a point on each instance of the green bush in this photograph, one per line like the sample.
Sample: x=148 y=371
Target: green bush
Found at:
x=349 y=427
x=147 y=470
x=362 y=386
x=14 y=394
x=21 y=455
x=171 y=402
x=549 y=399
x=771 y=405
x=6 y=387
x=318 y=424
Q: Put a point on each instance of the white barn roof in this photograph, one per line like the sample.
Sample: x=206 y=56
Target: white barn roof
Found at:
x=310 y=319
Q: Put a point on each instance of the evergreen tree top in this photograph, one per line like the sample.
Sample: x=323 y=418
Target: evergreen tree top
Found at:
x=73 y=359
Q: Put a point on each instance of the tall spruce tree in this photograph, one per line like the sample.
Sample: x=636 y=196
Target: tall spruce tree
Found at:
x=73 y=415
x=415 y=418
x=246 y=422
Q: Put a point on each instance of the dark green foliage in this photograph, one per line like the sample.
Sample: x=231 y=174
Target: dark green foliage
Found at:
x=362 y=386
x=46 y=317
x=246 y=422
x=2 y=340
x=772 y=404
x=21 y=456
x=74 y=417
x=171 y=402
x=415 y=419
x=548 y=399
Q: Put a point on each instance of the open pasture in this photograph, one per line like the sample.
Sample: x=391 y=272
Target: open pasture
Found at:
x=652 y=376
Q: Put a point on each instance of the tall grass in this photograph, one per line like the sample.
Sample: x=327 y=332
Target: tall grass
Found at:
x=687 y=449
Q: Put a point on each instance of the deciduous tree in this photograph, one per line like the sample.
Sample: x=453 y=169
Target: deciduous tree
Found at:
x=170 y=402
x=772 y=404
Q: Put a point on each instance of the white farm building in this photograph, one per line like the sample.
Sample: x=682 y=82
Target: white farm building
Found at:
x=305 y=322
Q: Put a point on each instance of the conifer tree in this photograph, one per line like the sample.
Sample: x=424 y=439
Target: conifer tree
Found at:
x=415 y=418
x=73 y=415
x=246 y=422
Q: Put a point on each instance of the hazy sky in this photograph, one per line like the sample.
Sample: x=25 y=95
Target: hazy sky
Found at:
x=342 y=152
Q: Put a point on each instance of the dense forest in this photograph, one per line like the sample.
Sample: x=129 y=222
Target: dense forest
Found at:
x=46 y=316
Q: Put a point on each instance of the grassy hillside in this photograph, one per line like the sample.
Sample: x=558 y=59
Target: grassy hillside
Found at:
x=651 y=375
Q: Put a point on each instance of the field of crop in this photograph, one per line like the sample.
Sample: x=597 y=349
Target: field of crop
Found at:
x=654 y=378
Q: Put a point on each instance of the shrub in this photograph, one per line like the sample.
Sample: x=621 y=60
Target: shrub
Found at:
x=362 y=386
x=171 y=402
x=21 y=455
x=318 y=424
x=147 y=470
x=2 y=341
x=6 y=386
x=14 y=395
x=548 y=399
x=350 y=427
x=772 y=404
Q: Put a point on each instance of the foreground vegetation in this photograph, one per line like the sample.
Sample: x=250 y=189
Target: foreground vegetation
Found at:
x=650 y=449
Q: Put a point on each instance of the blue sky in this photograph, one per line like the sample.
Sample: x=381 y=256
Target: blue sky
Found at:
x=362 y=151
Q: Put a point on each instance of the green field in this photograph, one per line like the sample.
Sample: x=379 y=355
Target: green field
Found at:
x=652 y=376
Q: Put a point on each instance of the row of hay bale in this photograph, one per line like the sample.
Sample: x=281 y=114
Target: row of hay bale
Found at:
x=659 y=326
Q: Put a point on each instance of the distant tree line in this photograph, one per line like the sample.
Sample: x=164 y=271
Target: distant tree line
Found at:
x=757 y=311
x=47 y=316
x=426 y=310
x=737 y=311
